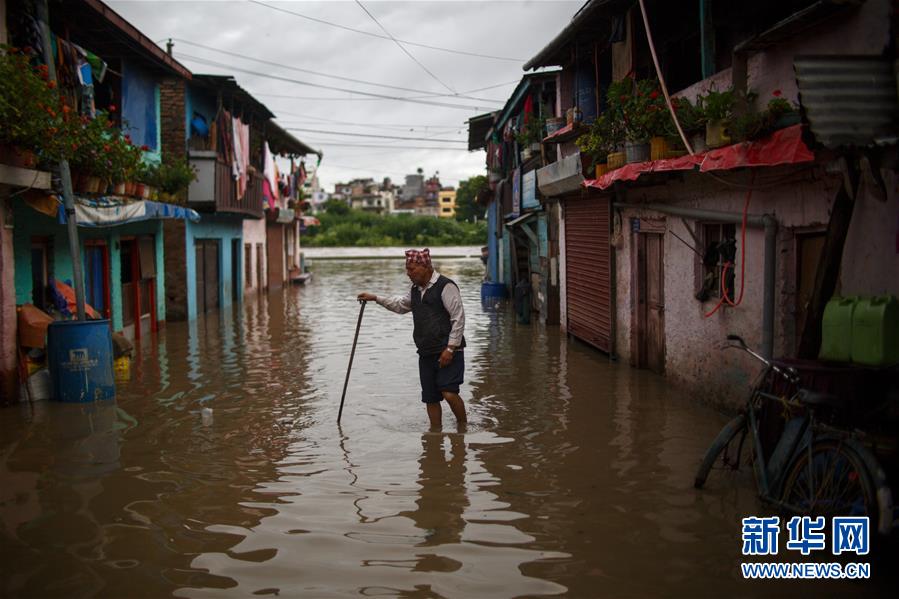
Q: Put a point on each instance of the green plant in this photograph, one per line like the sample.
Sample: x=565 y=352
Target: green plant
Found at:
x=172 y=175
x=779 y=106
x=531 y=132
x=691 y=117
x=603 y=137
x=717 y=105
x=640 y=108
x=33 y=114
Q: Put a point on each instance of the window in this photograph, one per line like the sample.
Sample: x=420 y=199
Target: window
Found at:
x=719 y=241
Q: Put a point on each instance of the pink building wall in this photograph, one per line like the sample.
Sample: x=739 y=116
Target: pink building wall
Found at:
x=254 y=233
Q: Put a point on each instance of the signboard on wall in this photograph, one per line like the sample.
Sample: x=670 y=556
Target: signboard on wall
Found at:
x=516 y=192
x=529 y=190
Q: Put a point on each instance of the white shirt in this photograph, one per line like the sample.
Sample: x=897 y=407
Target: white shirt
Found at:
x=452 y=301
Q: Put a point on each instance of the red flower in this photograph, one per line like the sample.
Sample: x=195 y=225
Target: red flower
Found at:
x=27 y=50
x=112 y=108
x=777 y=93
x=128 y=138
x=145 y=148
x=654 y=94
x=51 y=84
x=622 y=99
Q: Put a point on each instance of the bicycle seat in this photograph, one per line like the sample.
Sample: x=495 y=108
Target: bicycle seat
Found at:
x=815 y=400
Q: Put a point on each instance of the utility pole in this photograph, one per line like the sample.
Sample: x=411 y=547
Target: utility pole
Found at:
x=64 y=172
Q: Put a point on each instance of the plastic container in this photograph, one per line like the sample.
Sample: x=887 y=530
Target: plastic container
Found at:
x=79 y=354
x=491 y=290
x=836 y=329
x=875 y=331
x=122 y=367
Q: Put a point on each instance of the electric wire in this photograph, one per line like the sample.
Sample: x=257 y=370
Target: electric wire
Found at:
x=322 y=86
x=446 y=141
x=320 y=74
x=384 y=146
x=405 y=51
x=369 y=33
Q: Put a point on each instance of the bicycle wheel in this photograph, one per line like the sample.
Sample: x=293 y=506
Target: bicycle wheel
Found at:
x=832 y=480
x=730 y=452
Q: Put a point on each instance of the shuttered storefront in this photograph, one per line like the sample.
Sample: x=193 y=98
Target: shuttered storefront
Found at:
x=588 y=269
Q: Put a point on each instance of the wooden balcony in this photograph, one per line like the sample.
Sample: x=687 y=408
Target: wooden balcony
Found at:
x=215 y=189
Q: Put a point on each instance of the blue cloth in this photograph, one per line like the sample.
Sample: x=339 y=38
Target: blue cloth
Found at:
x=435 y=379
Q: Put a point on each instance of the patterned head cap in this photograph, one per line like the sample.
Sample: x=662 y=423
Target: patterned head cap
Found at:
x=418 y=257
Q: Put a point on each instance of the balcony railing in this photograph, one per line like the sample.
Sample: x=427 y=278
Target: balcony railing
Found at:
x=216 y=190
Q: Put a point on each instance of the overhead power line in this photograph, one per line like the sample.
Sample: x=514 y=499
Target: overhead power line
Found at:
x=328 y=75
x=403 y=48
x=445 y=141
x=385 y=146
x=369 y=33
x=321 y=86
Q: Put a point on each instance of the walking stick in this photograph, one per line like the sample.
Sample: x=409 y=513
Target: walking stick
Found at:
x=352 y=353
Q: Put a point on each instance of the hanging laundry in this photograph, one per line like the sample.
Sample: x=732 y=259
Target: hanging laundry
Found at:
x=240 y=163
x=270 y=172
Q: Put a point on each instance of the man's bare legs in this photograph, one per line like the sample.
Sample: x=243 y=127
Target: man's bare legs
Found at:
x=435 y=412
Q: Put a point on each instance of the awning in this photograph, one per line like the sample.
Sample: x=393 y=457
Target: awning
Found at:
x=285 y=216
x=783 y=147
x=109 y=213
x=520 y=219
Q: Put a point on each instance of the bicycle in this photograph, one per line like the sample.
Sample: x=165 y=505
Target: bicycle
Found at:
x=814 y=468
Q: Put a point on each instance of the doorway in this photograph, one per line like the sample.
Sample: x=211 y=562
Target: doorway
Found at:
x=235 y=269
x=207 y=267
x=649 y=332
x=96 y=275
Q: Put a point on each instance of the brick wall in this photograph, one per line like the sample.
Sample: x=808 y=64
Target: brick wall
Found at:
x=174 y=135
x=174 y=237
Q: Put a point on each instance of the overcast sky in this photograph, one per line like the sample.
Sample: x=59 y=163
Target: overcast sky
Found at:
x=263 y=30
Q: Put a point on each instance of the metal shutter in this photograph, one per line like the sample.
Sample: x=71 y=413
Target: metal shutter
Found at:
x=588 y=269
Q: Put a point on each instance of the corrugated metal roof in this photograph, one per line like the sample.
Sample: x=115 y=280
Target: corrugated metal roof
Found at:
x=478 y=127
x=848 y=100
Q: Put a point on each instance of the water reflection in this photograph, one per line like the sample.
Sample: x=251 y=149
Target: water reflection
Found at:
x=573 y=478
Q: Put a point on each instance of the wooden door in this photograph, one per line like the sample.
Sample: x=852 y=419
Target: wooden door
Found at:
x=96 y=276
x=655 y=303
x=260 y=268
x=207 y=267
x=274 y=241
x=649 y=329
x=235 y=269
x=129 y=277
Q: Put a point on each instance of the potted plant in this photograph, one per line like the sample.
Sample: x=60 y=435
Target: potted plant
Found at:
x=692 y=120
x=783 y=112
x=718 y=109
x=171 y=177
x=640 y=108
x=597 y=143
x=34 y=119
x=530 y=135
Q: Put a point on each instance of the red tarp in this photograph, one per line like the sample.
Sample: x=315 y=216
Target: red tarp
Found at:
x=783 y=147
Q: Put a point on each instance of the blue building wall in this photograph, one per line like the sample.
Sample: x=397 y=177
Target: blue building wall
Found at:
x=30 y=223
x=141 y=109
x=224 y=229
x=492 y=243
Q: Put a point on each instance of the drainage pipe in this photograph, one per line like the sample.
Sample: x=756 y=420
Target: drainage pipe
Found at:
x=766 y=222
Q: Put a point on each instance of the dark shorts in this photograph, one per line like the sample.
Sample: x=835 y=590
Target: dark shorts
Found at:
x=435 y=379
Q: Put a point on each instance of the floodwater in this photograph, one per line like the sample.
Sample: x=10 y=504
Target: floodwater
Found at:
x=221 y=471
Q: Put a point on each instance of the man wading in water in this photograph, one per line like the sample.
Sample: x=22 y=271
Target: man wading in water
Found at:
x=436 y=306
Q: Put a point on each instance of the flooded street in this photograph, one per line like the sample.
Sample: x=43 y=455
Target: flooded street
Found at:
x=574 y=477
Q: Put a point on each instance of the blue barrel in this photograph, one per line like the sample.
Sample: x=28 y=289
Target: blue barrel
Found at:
x=491 y=290
x=79 y=354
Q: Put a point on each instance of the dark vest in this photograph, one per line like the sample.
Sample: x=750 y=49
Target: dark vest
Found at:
x=432 y=321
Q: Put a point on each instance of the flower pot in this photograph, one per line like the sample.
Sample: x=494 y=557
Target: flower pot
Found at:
x=697 y=141
x=16 y=156
x=118 y=189
x=139 y=190
x=129 y=188
x=573 y=115
x=553 y=124
x=526 y=154
x=716 y=134
x=658 y=148
x=787 y=120
x=601 y=169
x=616 y=160
x=92 y=184
x=636 y=151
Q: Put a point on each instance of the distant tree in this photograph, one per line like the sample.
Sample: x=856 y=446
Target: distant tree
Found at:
x=466 y=198
x=338 y=207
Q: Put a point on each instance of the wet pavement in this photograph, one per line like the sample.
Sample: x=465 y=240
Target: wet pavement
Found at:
x=573 y=478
